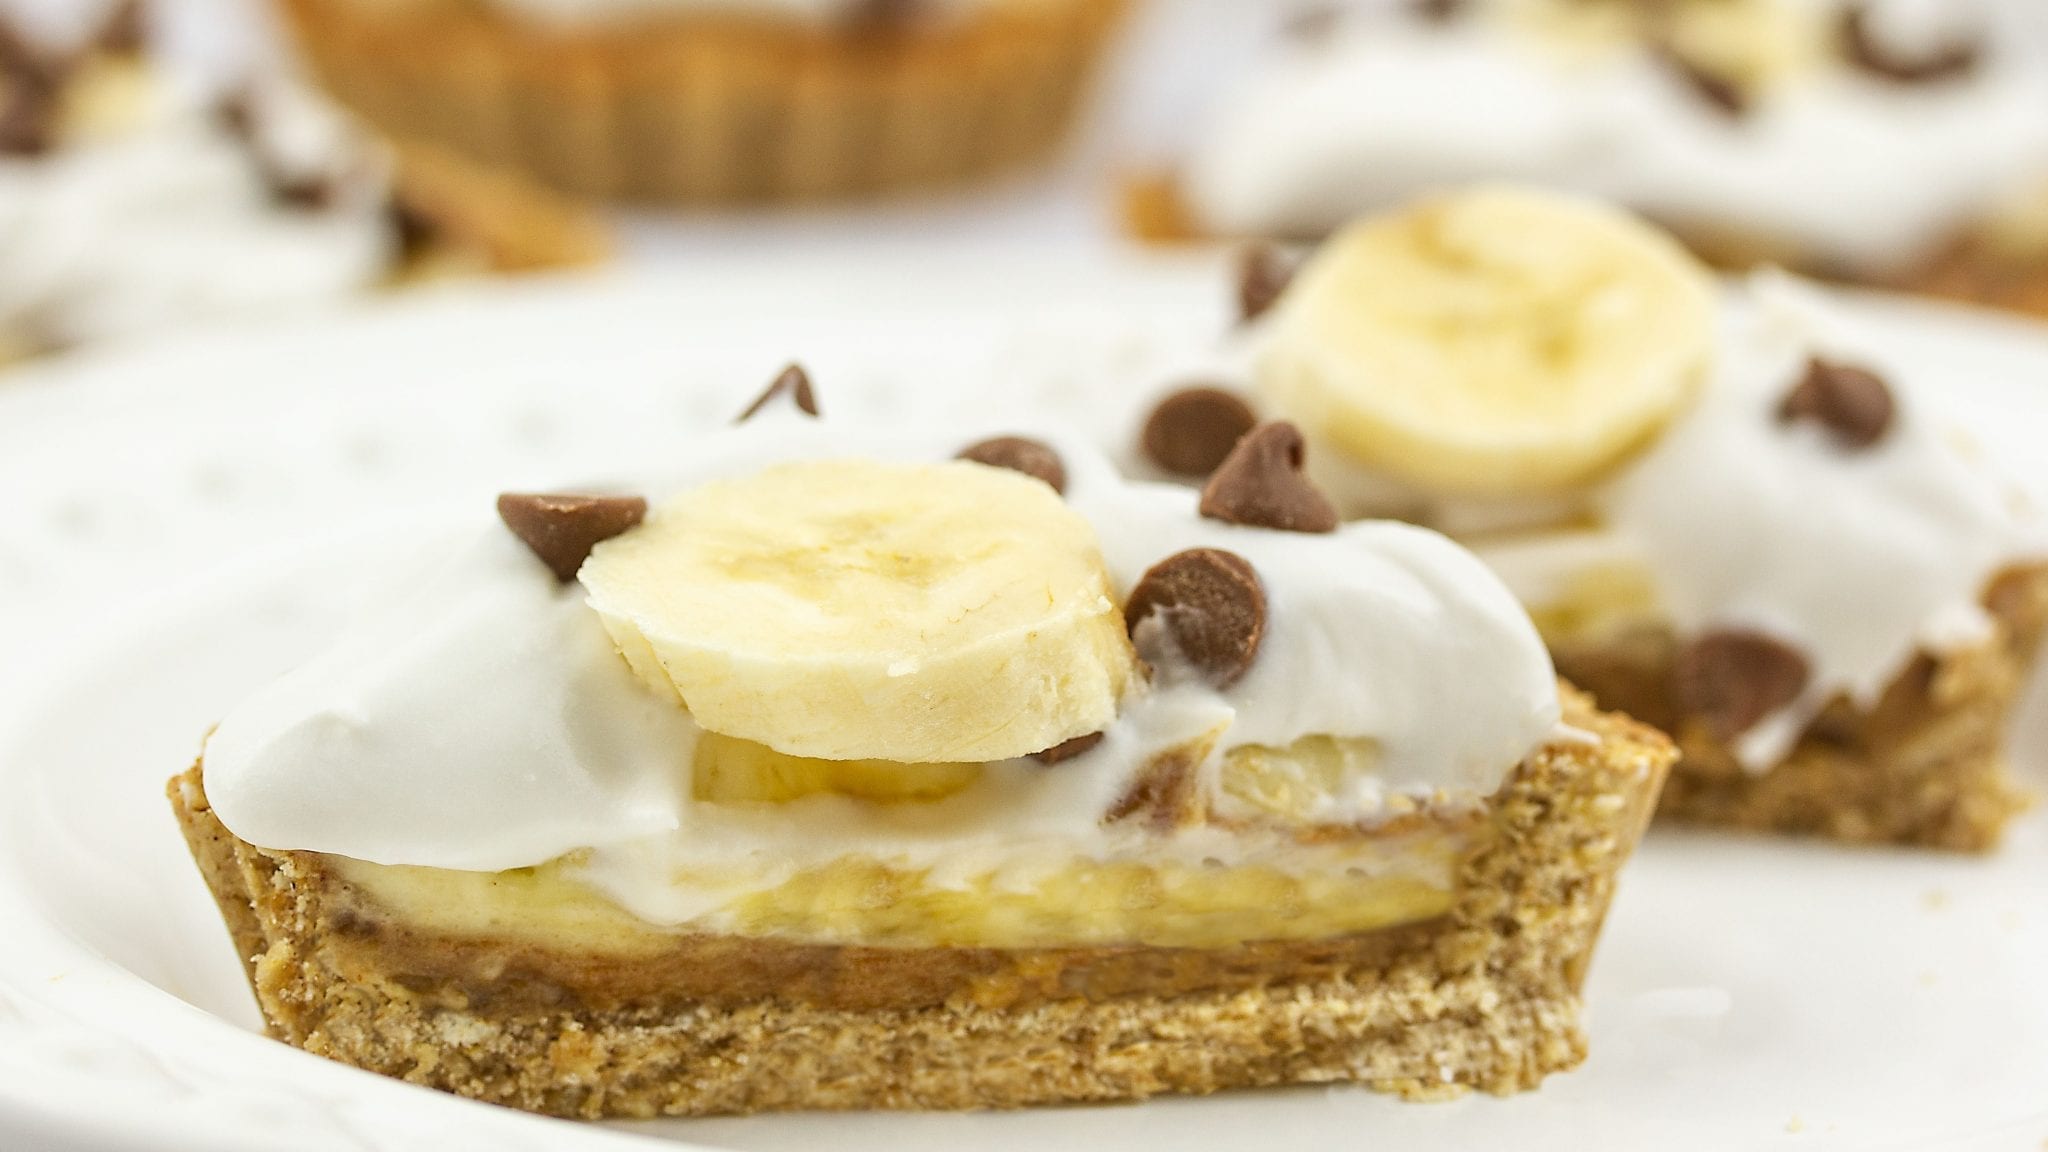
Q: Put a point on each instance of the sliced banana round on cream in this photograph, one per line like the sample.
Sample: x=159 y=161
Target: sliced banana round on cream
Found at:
x=858 y=610
x=1497 y=340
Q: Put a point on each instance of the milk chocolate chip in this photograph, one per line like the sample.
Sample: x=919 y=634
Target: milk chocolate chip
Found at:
x=1717 y=91
x=1033 y=458
x=1263 y=275
x=1069 y=749
x=1192 y=431
x=562 y=528
x=1866 y=49
x=1212 y=607
x=1261 y=485
x=125 y=31
x=1438 y=11
x=1732 y=679
x=1853 y=404
x=792 y=387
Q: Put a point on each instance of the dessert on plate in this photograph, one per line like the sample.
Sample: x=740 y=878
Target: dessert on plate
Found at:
x=1732 y=513
x=1902 y=143
x=851 y=768
x=133 y=197
x=718 y=101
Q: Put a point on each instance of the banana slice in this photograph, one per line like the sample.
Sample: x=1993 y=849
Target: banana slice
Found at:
x=726 y=770
x=1495 y=341
x=855 y=610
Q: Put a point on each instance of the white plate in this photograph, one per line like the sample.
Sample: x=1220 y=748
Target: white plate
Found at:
x=186 y=521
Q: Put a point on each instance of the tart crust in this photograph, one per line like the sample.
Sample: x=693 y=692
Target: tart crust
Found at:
x=1924 y=766
x=716 y=108
x=1485 y=997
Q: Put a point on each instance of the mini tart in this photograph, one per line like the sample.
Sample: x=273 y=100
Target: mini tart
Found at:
x=940 y=776
x=716 y=107
x=1989 y=263
x=421 y=211
x=1480 y=993
x=1924 y=765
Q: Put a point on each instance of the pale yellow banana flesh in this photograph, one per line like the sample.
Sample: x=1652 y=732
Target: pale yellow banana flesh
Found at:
x=726 y=770
x=946 y=613
x=1495 y=341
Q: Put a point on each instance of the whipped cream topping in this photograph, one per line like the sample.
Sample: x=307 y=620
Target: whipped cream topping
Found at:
x=1840 y=166
x=149 y=212
x=1859 y=558
x=485 y=722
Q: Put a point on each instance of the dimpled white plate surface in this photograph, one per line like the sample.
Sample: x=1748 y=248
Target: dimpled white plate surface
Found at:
x=185 y=521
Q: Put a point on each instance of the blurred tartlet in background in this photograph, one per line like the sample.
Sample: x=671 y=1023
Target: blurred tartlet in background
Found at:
x=135 y=198
x=1901 y=143
x=718 y=101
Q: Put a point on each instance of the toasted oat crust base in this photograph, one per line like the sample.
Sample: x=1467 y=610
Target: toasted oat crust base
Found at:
x=1924 y=766
x=1486 y=997
x=711 y=107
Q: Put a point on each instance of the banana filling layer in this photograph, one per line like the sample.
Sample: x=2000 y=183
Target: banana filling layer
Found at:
x=853 y=686
x=1563 y=387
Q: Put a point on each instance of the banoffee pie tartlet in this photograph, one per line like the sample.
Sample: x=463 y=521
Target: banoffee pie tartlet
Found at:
x=136 y=198
x=1902 y=143
x=718 y=101
x=1734 y=513
x=891 y=769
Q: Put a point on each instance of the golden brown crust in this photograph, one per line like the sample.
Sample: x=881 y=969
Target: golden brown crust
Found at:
x=1923 y=766
x=489 y=217
x=1484 y=998
x=715 y=108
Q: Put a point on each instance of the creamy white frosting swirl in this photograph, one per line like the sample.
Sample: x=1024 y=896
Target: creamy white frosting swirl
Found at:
x=485 y=722
x=156 y=215
x=1838 y=165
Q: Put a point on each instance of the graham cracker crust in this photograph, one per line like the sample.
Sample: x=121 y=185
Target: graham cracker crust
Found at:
x=1485 y=997
x=1924 y=766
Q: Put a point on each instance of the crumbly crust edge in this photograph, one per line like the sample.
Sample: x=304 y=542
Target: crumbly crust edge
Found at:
x=1486 y=998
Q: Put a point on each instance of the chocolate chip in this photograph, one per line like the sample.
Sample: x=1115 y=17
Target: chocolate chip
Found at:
x=1865 y=49
x=417 y=232
x=125 y=31
x=1192 y=431
x=792 y=387
x=1212 y=607
x=1438 y=11
x=1717 y=91
x=1263 y=275
x=1853 y=404
x=28 y=120
x=235 y=112
x=1732 y=679
x=302 y=193
x=562 y=528
x=1033 y=458
x=25 y=63
x=1261 y=485
x=1067 y=750
x=240 y=114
